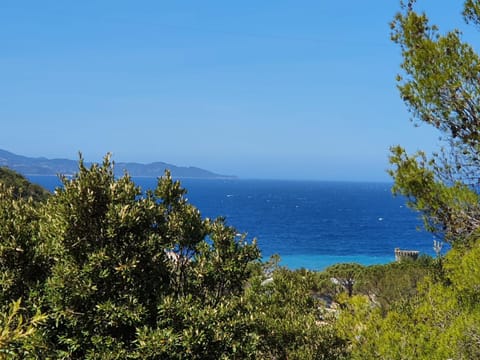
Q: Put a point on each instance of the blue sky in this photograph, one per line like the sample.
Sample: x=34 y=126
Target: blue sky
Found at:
x=260 y=89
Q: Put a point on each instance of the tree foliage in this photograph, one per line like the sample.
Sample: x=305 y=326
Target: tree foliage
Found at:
x=440 y=320
x=105 y=270
x=388 y=284
x=430 y=310
x=440 y=86
x=104 y=261
x=18 y=332
x=20 y=186
x=437 y=315
x=290 y=321
x=345 y=274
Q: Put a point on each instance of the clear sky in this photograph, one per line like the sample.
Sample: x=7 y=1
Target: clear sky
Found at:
x=259 y=89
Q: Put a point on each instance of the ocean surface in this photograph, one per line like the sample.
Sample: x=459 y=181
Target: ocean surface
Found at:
x=310 y=224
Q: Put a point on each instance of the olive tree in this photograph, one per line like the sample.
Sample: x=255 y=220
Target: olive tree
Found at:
x=120 y=257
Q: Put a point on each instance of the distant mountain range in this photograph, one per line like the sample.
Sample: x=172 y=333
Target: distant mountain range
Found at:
x=43 y=166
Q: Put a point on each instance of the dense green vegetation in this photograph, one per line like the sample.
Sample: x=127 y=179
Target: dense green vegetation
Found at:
x=440 y=318
x=100 y=270
x=21 y=186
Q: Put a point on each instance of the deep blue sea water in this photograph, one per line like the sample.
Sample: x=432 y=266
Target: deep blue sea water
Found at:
x=309 y=224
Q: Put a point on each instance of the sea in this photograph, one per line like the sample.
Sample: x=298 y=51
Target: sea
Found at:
x=309 y=224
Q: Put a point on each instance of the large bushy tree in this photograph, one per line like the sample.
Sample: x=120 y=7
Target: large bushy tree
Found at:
x=107 y=263
x=104 y=270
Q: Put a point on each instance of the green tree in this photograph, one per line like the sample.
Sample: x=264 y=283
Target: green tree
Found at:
x=439 y=84
x=290 y=321
x=17 y=333
x=21 y=186
x=22 y=267
x=385 y=285
x=107 y=271
x=128 y=268
x=439 y=320
x=345 y=274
